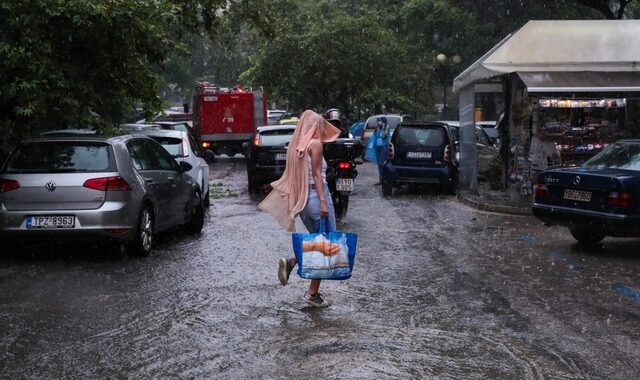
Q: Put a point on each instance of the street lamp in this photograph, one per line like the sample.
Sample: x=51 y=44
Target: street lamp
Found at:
x=446 y=64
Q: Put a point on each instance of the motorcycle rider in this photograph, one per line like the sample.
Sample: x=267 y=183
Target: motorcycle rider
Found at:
x=333 y=116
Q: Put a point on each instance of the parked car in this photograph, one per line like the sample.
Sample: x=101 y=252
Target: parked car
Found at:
x=486 y=150
x=421 y=153
x=600 y=198
x=123 y=189
x=184 y=148
x=491 y=129
x=267 y=155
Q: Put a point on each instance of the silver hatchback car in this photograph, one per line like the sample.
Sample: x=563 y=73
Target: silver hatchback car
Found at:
x=123 y=189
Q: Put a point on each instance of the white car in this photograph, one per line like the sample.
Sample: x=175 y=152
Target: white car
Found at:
x=184 y=148
x=485 y=148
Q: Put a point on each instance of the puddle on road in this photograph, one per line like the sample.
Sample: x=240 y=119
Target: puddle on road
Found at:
x=218 y=190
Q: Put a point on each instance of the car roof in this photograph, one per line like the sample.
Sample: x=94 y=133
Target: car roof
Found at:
x=93 y=138
x=385 y=115
x=69 y=132
x=276 y=127
x=163 y=133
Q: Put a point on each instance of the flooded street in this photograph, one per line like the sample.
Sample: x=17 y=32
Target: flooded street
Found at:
x=439 y=290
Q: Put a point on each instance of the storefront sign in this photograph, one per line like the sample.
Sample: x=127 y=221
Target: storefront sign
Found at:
x=588 y=103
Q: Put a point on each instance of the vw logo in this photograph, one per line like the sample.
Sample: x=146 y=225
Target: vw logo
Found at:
x=576 y=181
x=50 y=186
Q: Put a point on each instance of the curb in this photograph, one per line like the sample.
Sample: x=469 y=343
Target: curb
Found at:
x=476 y=202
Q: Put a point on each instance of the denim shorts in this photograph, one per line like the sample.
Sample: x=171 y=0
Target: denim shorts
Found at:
x=310 y=215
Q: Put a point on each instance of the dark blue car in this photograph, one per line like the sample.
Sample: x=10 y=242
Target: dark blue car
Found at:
x=421 y=153
x=598 y=199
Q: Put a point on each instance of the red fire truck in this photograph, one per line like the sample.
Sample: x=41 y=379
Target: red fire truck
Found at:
x=226 y=118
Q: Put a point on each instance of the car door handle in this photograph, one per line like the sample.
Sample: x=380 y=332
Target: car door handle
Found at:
x=149 y=180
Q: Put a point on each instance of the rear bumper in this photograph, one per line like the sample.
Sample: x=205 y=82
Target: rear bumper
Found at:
x=441 y=176
x=609 y=223
x=114 y=220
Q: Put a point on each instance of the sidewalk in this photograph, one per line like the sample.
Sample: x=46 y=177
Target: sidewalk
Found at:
x=497 y=201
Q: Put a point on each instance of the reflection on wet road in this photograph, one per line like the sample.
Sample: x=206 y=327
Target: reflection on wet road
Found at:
x=440 y=290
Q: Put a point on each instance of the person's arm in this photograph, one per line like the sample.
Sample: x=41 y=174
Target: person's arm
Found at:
x=315 y=150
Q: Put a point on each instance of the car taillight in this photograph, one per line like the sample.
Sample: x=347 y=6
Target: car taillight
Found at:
x=107 y=183
x=390 y=152
x=344 y=165
x=620 y=199
x=8 y=185
x=447 y=153
x=206 y=144
x=256 y=140
x=541 y=191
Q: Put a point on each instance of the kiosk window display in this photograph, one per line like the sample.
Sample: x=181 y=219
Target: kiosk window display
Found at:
x=571 y=131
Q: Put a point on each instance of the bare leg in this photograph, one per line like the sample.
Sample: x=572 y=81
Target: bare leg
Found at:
x=314 y=287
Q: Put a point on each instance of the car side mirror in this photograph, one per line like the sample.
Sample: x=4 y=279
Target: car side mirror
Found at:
x=208 y=155
x=185 y=166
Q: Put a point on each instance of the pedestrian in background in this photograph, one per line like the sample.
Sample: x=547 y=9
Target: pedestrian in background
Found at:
x=302 y=190
x=378 y=145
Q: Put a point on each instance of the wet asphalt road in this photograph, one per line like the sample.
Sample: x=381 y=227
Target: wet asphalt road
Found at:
x=440 y=290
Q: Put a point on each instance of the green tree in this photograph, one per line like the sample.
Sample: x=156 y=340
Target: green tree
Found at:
x=67 y=63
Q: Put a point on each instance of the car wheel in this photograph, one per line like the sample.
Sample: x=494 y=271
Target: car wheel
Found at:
x=387 y=187
x=196 y=214
x=452 y=188
x=143 y=240
x=586 y=236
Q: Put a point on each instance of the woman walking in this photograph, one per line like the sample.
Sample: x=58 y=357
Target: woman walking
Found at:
x=302 y=190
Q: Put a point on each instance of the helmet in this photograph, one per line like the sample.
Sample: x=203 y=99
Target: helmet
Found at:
x=332 y=114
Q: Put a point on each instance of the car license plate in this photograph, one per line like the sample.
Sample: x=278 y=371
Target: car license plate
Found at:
x=281 y=156
x=51 y=221
x=418 y=154
x=575 y=195
x=344 y=184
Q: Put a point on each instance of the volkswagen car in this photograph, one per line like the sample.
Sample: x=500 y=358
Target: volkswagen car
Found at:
x=122 y=189
x=600 y=198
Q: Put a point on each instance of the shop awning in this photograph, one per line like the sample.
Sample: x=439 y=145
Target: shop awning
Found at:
x=567 y=47
x=587 y=81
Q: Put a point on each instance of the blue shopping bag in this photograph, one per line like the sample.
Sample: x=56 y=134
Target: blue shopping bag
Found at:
x=325 y=254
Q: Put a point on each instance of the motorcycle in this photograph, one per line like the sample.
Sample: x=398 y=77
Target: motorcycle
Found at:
x=341 y=171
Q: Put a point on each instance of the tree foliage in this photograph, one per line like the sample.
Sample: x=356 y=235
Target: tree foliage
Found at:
x=69 y=63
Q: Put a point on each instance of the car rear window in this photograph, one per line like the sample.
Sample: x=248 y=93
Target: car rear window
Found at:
x=275 y=137
x=61 y=157
x=617 y=156
x=171 y=144
x=428 y=137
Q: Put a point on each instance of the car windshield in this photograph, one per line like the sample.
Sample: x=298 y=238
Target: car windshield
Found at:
x=617 y=156
x=171 y=144
x=275 y=137
x=61 y=157
x=428 y=137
